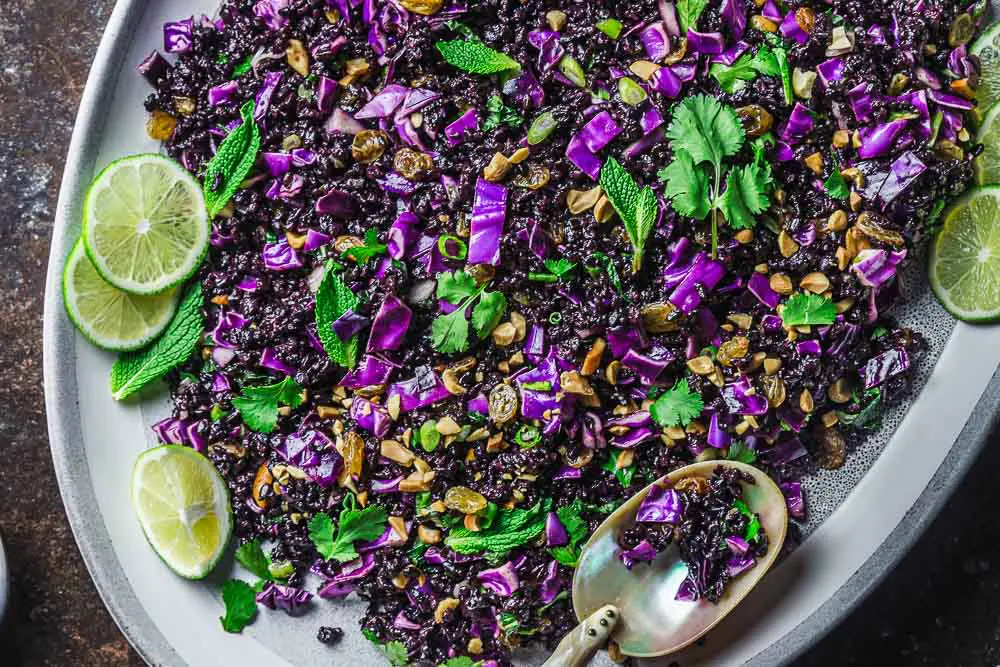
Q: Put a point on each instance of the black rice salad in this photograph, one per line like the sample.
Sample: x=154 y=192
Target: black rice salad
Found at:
x=496 y=266
x=718 y=536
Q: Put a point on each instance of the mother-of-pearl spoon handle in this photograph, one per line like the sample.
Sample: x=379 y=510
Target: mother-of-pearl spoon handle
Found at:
x=578 y=647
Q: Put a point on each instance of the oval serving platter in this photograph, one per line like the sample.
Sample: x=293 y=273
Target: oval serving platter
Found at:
x=863 y=517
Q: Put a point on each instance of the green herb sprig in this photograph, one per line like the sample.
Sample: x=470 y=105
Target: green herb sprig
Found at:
x=450 y=332
x=353 y=525
x=475 y=57
x=232 y=162
x=638 y=208
x=333 y=299
x=258 y=406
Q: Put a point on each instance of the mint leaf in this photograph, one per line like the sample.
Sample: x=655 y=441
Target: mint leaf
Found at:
x=353 y=525
x=500 y=114
x=251 y=556
x=258 y=406
x=488 y=312
x=134 y=370
x=241 y=605
x=705 y=129
x=746 y=195
x=475 y=57
x=677 y=406
x=455 y=287
x=510 y=529
x=372 y=248
x=450 y=333
x=688 y=12
x=647 y=211
x=242 y=67
x=333 y=299
x=637 y=208
x=686 y=187
x=232 y=162
x=803 y=309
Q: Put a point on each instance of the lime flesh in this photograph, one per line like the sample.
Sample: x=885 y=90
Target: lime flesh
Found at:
x=107 y=316
x=987 y=48
x=965 y=257
x=987 y=163
x=183 y=507
x=145 y=225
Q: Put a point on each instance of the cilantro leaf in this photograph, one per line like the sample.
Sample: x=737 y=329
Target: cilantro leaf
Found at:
x=772 y=60
x=241 y=605
x=450 y=333
x=333 y=299
x=623 y=475
x=746 y=195
x=372 y=248
x=705 y=129
x=577 y=529
x=251 y=556
x=486 y=315
x=353 y=525
x=455 y=287
x=258 y=406
x=688 y=12
x=242 y=67
x=677 y=406
x=609 y=267
x=500 y=114
x=803 y=309
x=396 y=653
x=559 y=267
x=835 y=185
x=475 y=57
x=738 y=451
x=732 y=77
x=753 y=527
x=687 y=187
x=766 y=62
x=232 y=162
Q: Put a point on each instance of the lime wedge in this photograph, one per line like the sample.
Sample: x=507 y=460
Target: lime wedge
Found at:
x=987 y=164
x=107 y=316
x=183 y=507
x=145 y=226
x=965 y=257
x=987 y=47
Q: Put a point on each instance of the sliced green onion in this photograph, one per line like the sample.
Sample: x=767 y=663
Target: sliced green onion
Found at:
x=528 y=436
x=555 y=317
x=462 y=250
x=573 y=71
x=487 y=516
x=542 y=277
x=602 y=94
x=610 y=27
x=429 y=436
x=281 y=569
x=631 y=92
x=217 y=412
x=541 y=128
x=543 y=385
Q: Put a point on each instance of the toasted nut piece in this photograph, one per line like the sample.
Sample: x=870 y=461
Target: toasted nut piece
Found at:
x=837 y=222
x=401 y=581
x=471 y=522
x=874 y=226
x=948 y=150
x=475 y=646
x=660 y=317
x=497 y=169
x=578 y=201
x=643 y=69
x=964 y=88
x=815 y=162
x=220 y=300
x=756 y=361
x=572 y=382
x=815 y=282
x=160 y=126
x=447 y=426
x=494 y=443
x=786 y=244
x=844 y=305
x=701 y=365
x=855 y=201
x=742 y=320
x=593 y=359
x=262 y=479
x=357 y=67
x=841 y=138
x=855 y=242
x=772 y=365
x=781 y=283
x=716 y=377
x=444 y=606
x=393 y=406
x=297 y=56
x=398 y=524
x=412 y=485
x=676 y=433
x=763 y=24
x=185 y=105
x=394 y=451
x=761 y=268
x=806 y=403
x=839 y=391
x=556 y=19
x=774 y=389
x=694 y=483
x=603 y=210
x=842 y=258
x=450 y=380
x=520 y=155
x=830 y=418
x=423 y=7
x=520 y=325
x=504 y=334
x=611 y=372
x=735 y=348
x=744 y=236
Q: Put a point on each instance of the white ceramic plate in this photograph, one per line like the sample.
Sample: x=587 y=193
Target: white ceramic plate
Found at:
x=864 y=516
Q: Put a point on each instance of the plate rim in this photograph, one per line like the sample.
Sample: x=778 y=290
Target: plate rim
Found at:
x=75 y=485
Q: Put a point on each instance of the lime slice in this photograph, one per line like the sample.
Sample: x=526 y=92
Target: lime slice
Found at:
x=107 y=316
x=145 y=226
x=965 y=257
x=987 y=47
x=987 y=164
x=183 y=508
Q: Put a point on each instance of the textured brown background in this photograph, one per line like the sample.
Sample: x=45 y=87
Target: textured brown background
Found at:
x=940 y=607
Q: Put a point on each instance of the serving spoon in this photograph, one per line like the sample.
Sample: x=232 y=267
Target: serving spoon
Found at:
x=637 y=607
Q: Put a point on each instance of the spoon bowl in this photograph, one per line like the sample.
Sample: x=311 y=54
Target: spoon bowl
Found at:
x=651 y=622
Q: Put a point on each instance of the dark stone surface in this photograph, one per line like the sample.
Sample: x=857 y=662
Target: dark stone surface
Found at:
x=940 y=606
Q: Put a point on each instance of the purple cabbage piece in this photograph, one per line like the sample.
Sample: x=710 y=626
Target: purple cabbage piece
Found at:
x=634 y=438
x=790 y=28
x=647 y=366
x=280 y=256
x=860 y=98
x=878 y=140
x=551 y=584
x=794 y=499
x=737 y=565
x=456 y=131
x=390 y=325
x=799 y=125
x=401 y=622
x=299 y=448
x=178 y=36
x=348 y=325
x=349 y=573
x=785 y=450
x=655 y=40
x=287 y=598
x=567 y=472
x=385 y=103
x=734 y=13
x=263 y=97
x=315 y=240
x=829 y=71
x=372 y=417
x=170 y=431
x=732 y=54
x=885 y=366
x=555 y=532
x=599 y=132
x=642 y=552
x=501 y=580
x=220 y=383
x=704 y=275
x=688 y=590
x=874 y=267
x=380 y=486
x=269 y=359
x=278 y=164
x=341 y=122
x=326 y=88
x=622 y=339
x=634 y=420
x=337 y=203
x=533 y=234
x=325 y=473
x=584 y=159
x=661 y=505
x=593 y=431
x=415 y=100
x=737 y=545
x=222 y=93
x=760 y=286
x=809 y=348
x=902 y=173
x=550 y=51
x=153 y=67
x=666 y=81
x=371 y=370
x=525 y=90
x=489 y=211
x=479 y=403
x=269 y=11
x=388 y=538
x=423 y=389
x=705 y=42
x=950 y=101
x=718 y=437
x=402 y=235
